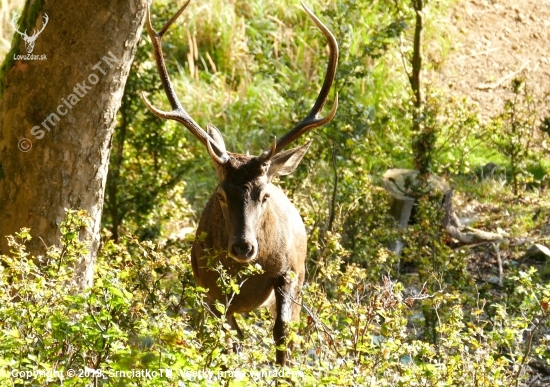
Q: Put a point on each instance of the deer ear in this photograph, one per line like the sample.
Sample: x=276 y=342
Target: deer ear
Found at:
x=216 y=136
x=286 y=162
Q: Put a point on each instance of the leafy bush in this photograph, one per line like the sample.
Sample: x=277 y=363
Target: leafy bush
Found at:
x=513 y=133
x=143 y=317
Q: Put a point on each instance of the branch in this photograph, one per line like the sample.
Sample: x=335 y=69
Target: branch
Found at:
x=494 y=85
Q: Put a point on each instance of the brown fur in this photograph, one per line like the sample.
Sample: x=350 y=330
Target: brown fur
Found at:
x=282 y=245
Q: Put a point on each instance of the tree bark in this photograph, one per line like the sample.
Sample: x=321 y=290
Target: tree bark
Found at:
x=57 y=116
x=416 y=77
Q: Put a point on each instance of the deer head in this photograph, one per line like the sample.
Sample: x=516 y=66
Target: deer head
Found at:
x=245 y=181
x=30 y=40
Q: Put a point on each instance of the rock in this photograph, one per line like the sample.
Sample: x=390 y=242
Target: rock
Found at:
x=466 y=221
x=537 y=252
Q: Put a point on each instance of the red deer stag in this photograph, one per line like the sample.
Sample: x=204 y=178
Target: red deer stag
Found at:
x=248 y=219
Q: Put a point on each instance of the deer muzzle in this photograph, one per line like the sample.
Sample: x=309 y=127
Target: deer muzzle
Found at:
x=242 y=250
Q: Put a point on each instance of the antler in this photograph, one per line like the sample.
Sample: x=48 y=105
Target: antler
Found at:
x=178 y=113
x=44 y=24
x=313 y=120
x=14 y=20
x=35 y=34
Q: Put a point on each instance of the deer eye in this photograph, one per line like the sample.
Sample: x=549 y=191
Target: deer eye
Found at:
x=220 y=197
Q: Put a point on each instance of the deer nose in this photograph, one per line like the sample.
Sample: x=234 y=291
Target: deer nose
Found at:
x=243 y=251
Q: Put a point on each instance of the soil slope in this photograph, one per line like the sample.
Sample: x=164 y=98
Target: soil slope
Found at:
x=497 y=40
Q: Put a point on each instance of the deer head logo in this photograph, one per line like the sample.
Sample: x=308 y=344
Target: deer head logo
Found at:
x=29 y=40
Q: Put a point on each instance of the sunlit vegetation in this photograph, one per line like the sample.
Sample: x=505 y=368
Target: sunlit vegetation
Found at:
x=430 y=317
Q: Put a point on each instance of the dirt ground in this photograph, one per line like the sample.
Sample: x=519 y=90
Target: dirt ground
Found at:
x=497 y=40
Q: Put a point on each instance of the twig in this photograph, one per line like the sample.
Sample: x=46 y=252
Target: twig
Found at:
x=403 y=57
x=470 y=246
x=494 y=85
x=478 y=53
x=317 y=323
x=499 y=263
x=537 y=324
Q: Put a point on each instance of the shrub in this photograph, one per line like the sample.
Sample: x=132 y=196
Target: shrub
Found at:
x=143 y=316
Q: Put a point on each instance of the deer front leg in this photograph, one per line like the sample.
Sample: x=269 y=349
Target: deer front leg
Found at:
x=286 y=310
x=235 y=346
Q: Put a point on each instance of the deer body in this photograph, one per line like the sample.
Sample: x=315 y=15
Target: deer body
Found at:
x=282 y=247
x=248 y=219
x=270 y=233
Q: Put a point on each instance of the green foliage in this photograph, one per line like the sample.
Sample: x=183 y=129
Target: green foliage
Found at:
x=428 y=249
x=366 y=232
x=440 y=269
x=149 y=157
x=512 y=132
x=459 y=132
x=143 y=317
x=423 y=145
x=370 y=85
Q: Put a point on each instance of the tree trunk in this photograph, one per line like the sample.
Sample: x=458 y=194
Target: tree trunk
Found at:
x=416 y=76
x=57 y=115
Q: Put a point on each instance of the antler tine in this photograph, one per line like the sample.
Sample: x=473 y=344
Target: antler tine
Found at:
x=14 y=20
x=45 y=20
x=44 y=23
x=178 y=113
x=313 y=120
